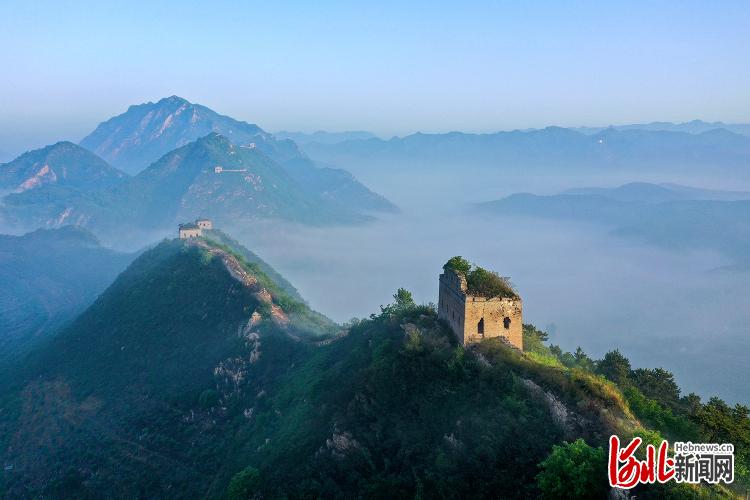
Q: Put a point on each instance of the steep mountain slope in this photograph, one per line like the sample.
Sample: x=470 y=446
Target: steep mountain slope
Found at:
x=47 y=278
x=152 y=365
x=195 y=375
x=184 y=184
x=145 y=132
x=62 y=164
x=336 y=186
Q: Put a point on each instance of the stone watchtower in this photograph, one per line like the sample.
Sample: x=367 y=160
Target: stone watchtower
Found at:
x=474 y=318
x=194 y=229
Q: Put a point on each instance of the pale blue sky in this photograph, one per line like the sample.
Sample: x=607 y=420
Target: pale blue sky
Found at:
x=387 y=67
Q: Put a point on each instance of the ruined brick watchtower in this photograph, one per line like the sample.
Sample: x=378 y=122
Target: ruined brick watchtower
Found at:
x=194 y=229
x=473 y=317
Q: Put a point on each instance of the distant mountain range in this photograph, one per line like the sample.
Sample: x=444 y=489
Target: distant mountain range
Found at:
x=145 y=132
x=551 y=150
x=136 y=138
x=48 y=277
x=644 y=192
x=209 y=177
x=666 y=215
x=692 y=127
x=323 y=137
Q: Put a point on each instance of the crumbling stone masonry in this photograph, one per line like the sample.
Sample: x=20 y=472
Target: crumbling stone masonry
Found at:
x=474 y=318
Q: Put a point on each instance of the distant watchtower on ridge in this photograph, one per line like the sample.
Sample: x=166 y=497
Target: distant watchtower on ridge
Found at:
x=194 y=229
x=494 y=310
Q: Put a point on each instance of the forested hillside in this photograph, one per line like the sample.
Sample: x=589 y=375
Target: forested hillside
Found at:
x=197 y=375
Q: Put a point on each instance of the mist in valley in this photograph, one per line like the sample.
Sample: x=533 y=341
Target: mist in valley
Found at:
x=681 y=310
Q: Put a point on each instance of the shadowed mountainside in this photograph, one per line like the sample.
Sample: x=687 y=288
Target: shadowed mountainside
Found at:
x=48 y=277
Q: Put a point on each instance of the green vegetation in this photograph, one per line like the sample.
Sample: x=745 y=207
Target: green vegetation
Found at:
x=155 y=363
x=480 y=281
x=396 y=409
x=653 y=397
x=458 y=264
x=574 y=470
x=489 y=284
x=244 y=485
x=615 y=367
x=161 y=389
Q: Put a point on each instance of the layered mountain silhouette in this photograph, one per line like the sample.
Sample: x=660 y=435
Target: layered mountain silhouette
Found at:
x=653 y=193
x=691 y=127
x=215 y=178
x=145 y=132
x=48 y=277
x=323 y=137
x=666 y=215
x=210 y=177
x=549 y=150
x=63 y=164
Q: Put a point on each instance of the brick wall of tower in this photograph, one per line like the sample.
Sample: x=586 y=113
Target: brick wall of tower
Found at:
x=451 y=300
x=496 y=313
x=502 y=317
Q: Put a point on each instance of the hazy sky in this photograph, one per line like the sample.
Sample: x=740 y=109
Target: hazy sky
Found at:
x=387 y=67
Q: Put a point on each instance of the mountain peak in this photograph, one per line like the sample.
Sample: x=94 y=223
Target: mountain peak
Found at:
x=64 y=145
x=62 y=163
x=146 y=132
x=173 y=99
x=214 y=137
x=64 y=234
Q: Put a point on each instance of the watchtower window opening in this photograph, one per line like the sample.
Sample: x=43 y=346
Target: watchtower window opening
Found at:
x=506 y=323
x=480 y=327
